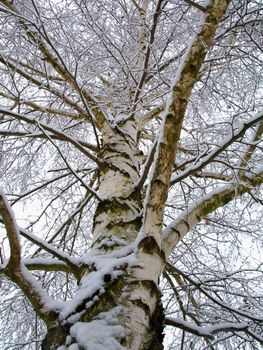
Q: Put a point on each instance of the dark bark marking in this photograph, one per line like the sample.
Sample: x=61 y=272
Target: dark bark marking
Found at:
x=149 y=285
x=157 y=328
x=142 y=305
x=55 y=337
x=150 y=246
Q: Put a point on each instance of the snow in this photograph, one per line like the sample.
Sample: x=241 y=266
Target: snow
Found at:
x=204 y=3
x=43 y=261
x=101 y=333
x=110 y=240
x=92 y=285
x=11 y=214
x=207 y=330
x=112 y=185
x=207 y=157
x=48 y=302
x=73 y=347
x=68 y=340
x=48 y=247
x=184 y=215
x=222 y=326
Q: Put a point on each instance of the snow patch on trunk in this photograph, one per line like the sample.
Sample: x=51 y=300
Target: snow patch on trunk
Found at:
x=104 y=332
x=92 y=285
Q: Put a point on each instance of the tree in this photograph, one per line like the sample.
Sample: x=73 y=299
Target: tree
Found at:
x=131 y=144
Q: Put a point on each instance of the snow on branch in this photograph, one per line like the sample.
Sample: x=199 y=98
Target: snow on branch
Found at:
x=184 y=80
x=16 y=270
x=215 y=300
x=13 y=234
x=39 y=37
x=250 y=150
x=208 y=158
x=196 y=5
x=12 y=231
x=35 y=135
x=87 y=187
x=147 y=47
x=192 y=215
x=62 y=256
x=207 y=331
x=58 y=133
x=46 y=86
x=46 y=264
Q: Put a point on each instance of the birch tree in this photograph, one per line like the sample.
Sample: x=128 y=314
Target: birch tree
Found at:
x=131 y=165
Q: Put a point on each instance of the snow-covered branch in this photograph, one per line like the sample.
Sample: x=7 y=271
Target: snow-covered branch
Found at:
x=35 y=135
x=46 y=264
x=12 y=231
x=175 y=231
x=16 y=270
x=208 y=157
x=60 y=134
x=233 y=310
x=206 y=331
x=250 y=150
x=46 y=86
x=62 y=256
x=173 y=117
x=146 y=44
x=41 y=39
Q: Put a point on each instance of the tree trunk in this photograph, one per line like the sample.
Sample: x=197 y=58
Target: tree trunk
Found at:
x=118 y=292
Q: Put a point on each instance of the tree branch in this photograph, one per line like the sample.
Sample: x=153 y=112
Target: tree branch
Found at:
x=34 y=135
x=16 y=270
x=250 y=150
x=62 y=256
x=45 y=264
x=54 y=131
x=147 y=50
x=46 y=86
x=194 y=4
x=207 y=331
x=42 y=41
x=215 y=300
x=175 y=232
x=208 y=158
x=175 y=111
x=38 y=108
x=12 y=232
